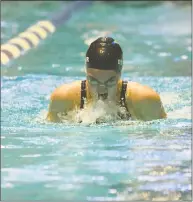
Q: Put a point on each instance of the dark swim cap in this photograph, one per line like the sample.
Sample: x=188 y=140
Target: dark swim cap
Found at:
x=105 y=54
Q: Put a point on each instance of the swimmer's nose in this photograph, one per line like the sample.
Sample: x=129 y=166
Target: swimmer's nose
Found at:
x=102 y=89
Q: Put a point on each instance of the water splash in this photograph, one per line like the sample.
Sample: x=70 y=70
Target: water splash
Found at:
x=98 y=112
x=175 y=99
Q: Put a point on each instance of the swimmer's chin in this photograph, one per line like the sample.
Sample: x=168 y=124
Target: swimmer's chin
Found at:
x=103 y=96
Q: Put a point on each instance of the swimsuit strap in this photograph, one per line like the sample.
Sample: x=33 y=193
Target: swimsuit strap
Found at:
x=83 y=94
x=122 y=97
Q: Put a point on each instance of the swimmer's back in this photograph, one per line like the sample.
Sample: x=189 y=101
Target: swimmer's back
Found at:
x=138 y=91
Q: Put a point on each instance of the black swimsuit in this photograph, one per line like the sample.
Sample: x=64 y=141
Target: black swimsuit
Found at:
x=122 y=98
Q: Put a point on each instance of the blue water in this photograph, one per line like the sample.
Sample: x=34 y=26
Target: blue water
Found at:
x=129 y=160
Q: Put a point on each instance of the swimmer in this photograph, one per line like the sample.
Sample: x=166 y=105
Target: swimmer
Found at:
x=104 y=62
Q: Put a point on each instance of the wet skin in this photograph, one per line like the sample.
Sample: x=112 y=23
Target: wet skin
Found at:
x=142 y=101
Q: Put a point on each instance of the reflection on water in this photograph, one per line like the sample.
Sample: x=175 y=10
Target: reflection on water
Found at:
x=126 y=160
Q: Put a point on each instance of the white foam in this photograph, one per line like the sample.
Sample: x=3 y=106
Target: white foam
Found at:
x=184 y=113
x=99 y=112
x=107 y=112
x=41 y=117
x=169 y=98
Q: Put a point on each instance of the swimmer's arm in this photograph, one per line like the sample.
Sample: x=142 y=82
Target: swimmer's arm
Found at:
x=58 y=104
x=54 y=109
x=150 y=107
x=63 y=99
x=52 y=117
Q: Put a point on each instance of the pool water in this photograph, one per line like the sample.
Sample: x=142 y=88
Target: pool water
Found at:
x=122 y=160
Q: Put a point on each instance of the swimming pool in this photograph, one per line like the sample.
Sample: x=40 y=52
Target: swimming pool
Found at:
x=129 y=160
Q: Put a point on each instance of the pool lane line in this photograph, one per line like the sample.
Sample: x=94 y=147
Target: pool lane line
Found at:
x=25 y=41
x=32 y=36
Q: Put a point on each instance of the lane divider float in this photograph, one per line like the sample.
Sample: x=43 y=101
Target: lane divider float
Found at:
x=32 y=36
x=26 y=40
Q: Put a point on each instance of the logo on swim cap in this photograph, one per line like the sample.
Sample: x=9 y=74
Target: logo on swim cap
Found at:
x=102 y=44
x=120 y=61
x=104 y=54
x=101 y=51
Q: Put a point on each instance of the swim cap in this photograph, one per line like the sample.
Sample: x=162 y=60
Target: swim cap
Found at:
x=105 y=54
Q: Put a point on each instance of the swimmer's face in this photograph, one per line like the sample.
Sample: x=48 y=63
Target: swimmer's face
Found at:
x=102 y=83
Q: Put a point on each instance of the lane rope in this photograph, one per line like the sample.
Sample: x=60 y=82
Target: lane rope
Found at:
x=33 y=35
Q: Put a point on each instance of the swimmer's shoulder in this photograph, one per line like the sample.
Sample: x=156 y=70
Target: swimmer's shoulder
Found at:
x=138 y=92
x=145 y=101
x=67 y=91
x=64 y=98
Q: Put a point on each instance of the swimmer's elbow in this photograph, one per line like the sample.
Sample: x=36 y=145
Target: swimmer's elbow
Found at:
x=52 y=117
x=159 y=111
x=49 y=117
x=163 y=114
x=153 y=109
x=52 y=113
